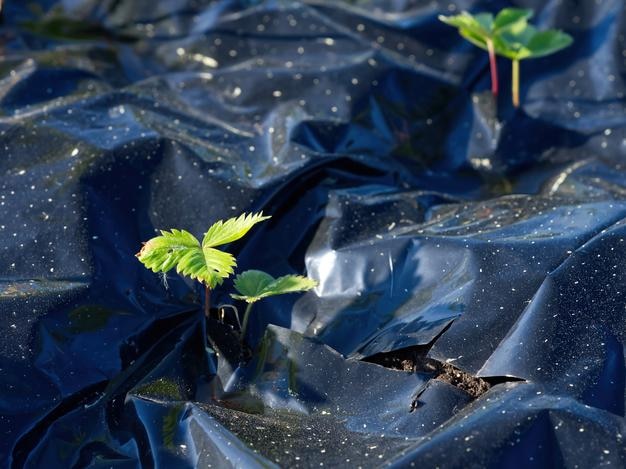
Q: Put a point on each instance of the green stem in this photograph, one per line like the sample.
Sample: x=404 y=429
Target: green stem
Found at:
x=246 y=316
x=493 y=67
x=207 y=300
x=515 y=90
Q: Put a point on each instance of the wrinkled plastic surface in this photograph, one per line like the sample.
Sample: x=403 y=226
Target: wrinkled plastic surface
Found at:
x=365 y=129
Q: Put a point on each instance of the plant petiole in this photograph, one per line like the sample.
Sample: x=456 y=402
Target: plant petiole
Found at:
x=235 y=311
x=207 y=301
x=246 y=317
x=515 y=86
x=493 y=66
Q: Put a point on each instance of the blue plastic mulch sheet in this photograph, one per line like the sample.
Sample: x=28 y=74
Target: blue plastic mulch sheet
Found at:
x=490 y=241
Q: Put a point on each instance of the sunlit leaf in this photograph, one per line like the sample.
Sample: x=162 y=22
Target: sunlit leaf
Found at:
x=485 y=20
x=548 y=42
x=512 y=35
x=290 y=284
x=510 y=17
x=476 y=39
x=530 y=43
x=224 y=232
x=252 y=285
x=511 y=43
x=482 y=27
x=463 y=20
x=475 y=29
x=181 y=250
x=162 y=253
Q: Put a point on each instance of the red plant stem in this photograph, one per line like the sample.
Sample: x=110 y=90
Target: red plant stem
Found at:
x=207 y=300
x=493 y=66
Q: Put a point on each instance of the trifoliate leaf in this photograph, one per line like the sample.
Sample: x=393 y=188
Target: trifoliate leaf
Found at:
x=181 y=250
x=252 y=285
x=482 y=27
x=224 y=232
x=529 y=43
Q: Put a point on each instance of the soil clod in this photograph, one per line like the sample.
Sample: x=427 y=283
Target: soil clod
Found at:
x=414 y=360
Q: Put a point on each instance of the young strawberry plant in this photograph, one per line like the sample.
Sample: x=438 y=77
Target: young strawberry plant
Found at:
x=253 y=285
x=483 y=29
x=509 y=35
x=523 y=41
x=181 y=250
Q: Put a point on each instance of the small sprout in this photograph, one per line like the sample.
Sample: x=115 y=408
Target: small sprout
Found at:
x=253 y=285
x=508 y=35
x=222 y=313
x=482 y=30
x=523 y=41
x=181 y=250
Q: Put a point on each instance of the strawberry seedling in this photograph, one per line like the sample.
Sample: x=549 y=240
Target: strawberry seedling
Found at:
x=181 y=250
x=483 y=29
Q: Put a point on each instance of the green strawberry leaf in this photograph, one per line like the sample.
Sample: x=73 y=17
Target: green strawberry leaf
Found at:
x=224 y=232
x=530 y=43
x=511 y=42
x=464 y=20
x=476 y=29
x=471 y=36
x=511 y=18
x=482 y=27
x=510 y=32
x=252 y=285
x=548 y=42
x=485 y=20
x=181 y=250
